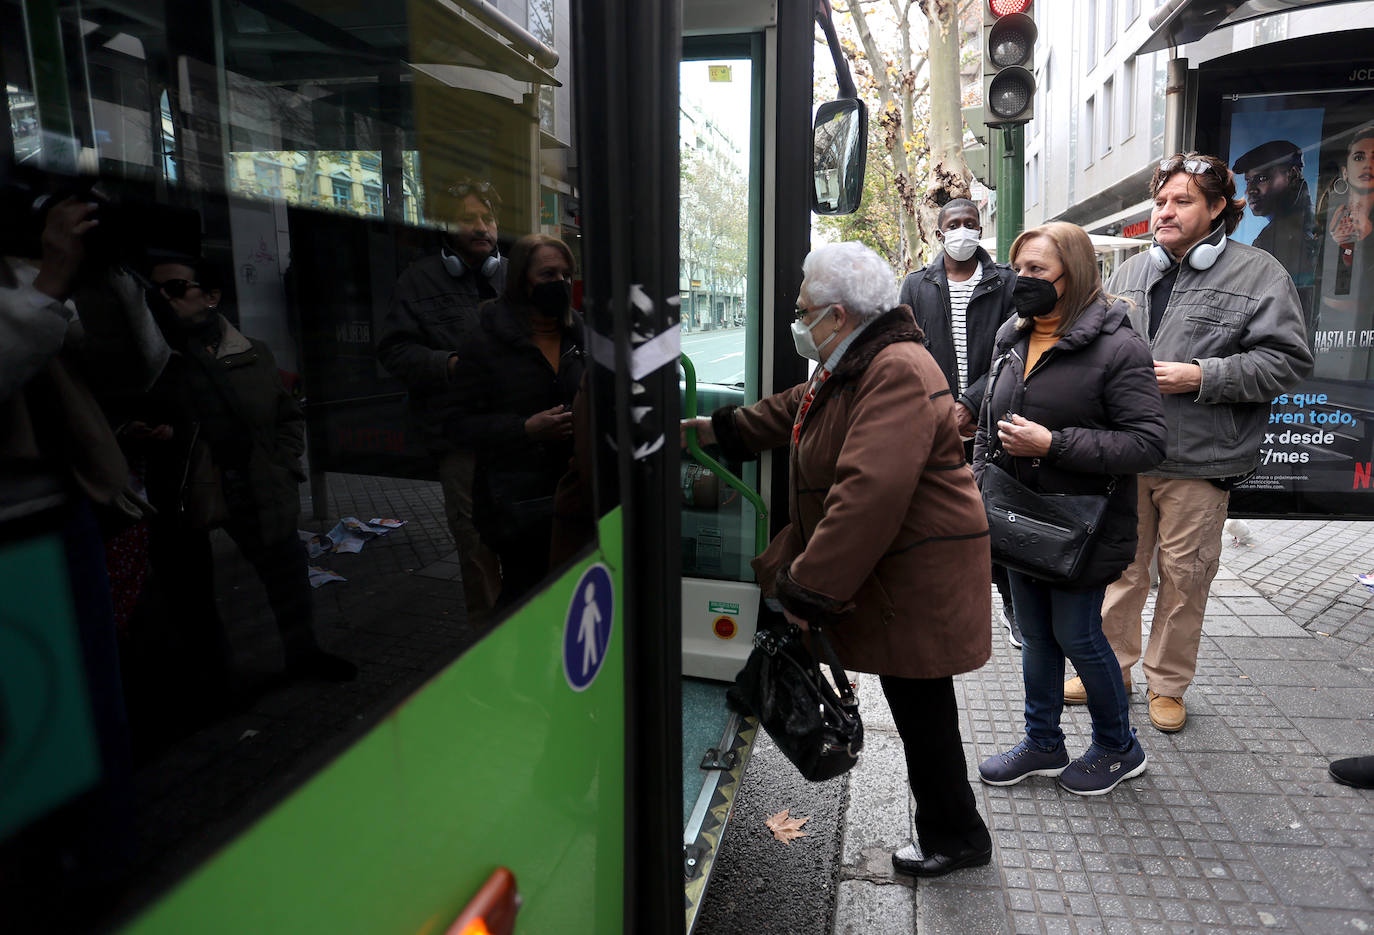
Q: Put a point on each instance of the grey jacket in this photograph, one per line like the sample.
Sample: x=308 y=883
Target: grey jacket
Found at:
x=1241 y=322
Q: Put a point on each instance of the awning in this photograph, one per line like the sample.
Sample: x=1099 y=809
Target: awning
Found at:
x=1180 y=21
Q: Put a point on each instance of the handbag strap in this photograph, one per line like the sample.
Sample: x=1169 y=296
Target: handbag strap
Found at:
x=829 y=657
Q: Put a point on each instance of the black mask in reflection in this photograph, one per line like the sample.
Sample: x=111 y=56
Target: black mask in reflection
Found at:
x=552 y=299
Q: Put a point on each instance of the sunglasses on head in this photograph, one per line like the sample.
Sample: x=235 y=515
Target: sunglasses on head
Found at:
x=1191 y=166
x=462 y=189
x=176 y=288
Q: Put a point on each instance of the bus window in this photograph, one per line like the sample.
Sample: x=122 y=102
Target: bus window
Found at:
x=324 y=388
x=719 y=295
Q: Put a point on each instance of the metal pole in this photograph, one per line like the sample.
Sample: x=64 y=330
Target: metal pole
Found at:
x=1011 y=187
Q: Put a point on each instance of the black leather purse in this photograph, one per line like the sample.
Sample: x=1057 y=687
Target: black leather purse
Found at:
x=1042 y=535
x=781 y=684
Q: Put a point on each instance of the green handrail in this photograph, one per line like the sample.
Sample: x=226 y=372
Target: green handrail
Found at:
x=715 y=467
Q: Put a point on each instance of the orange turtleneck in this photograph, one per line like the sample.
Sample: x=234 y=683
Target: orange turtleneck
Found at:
x=548 y=337
x=1042 y=339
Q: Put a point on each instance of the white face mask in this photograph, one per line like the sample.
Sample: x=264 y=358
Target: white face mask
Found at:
x=961 y=243
x=806 y=341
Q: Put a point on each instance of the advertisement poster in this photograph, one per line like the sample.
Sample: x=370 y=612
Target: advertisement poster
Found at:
x=1304 y=163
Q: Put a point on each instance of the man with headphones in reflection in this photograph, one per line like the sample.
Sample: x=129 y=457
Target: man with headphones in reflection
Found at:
x=1225 y=326
x=432 y=312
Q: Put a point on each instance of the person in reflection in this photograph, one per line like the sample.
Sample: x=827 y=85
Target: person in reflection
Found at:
x=960 y=300
x=243 y=436
x=887 y=544
x=1076 y=409
x=1348 y=248
x=514 y=386
x=1275 y=189
x=432 y=315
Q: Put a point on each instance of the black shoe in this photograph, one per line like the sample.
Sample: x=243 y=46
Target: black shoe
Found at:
x=1357 y=771
x=322 y=666
x=1013 y=628
x=937 y=865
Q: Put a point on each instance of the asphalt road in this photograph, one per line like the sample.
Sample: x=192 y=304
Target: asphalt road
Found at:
x=717 y=355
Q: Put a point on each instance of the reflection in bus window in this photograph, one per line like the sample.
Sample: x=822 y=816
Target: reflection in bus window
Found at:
x=245 y=517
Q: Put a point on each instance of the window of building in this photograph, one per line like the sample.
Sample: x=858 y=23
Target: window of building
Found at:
x=1127 y=109
x=1132 y=11
x=1108 y=23
x=540 y=23
x=372 y=198
x=1035 y=178
x=342 y=193
x=1090 y=131
x=1091 y=39
x=1108 y=98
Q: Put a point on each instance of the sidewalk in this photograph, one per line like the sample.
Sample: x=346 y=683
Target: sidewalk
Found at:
x=1235 y=827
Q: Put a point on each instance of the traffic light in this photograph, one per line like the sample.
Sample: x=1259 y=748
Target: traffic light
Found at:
x=1008 y=62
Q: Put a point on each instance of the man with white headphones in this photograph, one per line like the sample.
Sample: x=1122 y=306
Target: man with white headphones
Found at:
x=1226 y=329
x=432 y=313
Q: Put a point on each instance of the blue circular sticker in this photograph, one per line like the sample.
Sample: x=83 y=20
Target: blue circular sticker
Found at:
x=587 y=629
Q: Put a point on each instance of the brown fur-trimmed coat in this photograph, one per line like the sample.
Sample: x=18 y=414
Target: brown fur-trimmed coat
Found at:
x=887 y=547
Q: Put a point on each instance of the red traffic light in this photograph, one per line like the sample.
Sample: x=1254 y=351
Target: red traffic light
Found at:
x=1008 y=7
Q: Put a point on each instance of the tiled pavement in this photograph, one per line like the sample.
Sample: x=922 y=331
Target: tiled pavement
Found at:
x=1235 y=827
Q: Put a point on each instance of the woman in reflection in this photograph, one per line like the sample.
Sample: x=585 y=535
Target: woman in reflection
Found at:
x=887 y=547
x=1348 y=261
x=515 y=384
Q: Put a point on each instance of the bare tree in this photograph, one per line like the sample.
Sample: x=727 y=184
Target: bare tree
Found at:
x=918 y=119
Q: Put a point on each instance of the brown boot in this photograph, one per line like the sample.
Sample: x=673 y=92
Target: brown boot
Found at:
x=1167 y=714
x=1075 y=693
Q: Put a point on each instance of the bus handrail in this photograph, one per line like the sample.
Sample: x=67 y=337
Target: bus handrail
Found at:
x=715 y=467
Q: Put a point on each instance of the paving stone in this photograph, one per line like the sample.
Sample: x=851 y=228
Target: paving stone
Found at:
x=866 y=908
x=1311 y=877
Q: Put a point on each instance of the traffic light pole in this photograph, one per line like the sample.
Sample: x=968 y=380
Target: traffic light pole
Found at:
x=1011 y=189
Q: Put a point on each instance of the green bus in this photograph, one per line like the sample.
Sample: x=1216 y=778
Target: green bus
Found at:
x=167 y=761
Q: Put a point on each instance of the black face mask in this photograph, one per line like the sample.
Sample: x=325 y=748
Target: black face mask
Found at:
x=552 y=298
x=1034 y=297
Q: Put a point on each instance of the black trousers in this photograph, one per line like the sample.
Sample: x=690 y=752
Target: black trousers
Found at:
x=927 y=718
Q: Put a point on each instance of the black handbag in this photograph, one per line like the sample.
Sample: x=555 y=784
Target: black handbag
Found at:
x=1045 y=536
x=781 y=684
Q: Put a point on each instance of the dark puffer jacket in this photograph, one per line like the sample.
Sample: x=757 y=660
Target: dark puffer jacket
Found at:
x=502 y=380
x=1095 y=390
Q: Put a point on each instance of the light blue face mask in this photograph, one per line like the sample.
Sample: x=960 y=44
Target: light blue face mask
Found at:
x=805 y=341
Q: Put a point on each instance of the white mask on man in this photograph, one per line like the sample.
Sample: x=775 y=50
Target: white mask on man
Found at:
x=961 y=243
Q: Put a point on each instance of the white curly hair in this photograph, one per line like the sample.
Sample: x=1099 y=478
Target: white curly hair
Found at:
x=851 y=275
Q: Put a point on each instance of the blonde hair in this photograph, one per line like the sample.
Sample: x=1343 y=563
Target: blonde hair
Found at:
x=1082 y=279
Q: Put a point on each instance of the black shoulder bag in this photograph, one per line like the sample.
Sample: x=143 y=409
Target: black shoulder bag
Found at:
x=781 y=684
x=1042 y=535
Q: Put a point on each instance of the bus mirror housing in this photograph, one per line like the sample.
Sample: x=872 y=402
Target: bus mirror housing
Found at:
x=839 y=153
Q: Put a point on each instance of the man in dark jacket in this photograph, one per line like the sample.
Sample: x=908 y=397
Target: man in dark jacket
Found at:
x=960 y=300
x=1275 y=189
x=433 y=313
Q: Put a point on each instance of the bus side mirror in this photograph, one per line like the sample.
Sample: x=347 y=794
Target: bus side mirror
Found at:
x=839 y=152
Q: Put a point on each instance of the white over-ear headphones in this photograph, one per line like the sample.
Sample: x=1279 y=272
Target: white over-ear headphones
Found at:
x=1202 y=256
x=456 y=267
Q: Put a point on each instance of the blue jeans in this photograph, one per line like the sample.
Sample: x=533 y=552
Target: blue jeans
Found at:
x=1056 y=624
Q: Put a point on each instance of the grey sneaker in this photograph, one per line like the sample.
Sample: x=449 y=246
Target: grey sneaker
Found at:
x=1013 y=628
x=1099 y=771
x=1022 y=760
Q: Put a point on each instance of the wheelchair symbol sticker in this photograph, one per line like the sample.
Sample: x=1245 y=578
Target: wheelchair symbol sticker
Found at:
x=587 y=629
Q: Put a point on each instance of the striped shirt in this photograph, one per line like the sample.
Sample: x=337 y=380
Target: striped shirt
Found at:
x=959 y=293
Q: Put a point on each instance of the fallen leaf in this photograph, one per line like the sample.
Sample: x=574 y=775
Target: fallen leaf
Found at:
x=786 y=829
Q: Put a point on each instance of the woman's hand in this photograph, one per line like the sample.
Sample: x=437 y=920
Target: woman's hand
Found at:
x=793 y=618
x=1023 y=438
x=551 y=425
x=706 y=435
